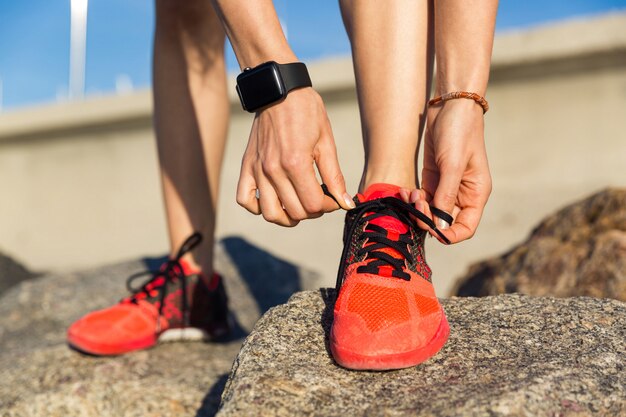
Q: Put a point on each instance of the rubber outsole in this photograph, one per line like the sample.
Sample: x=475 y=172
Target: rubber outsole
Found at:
x=101 y=349
x=355 y=361
x=188 y=334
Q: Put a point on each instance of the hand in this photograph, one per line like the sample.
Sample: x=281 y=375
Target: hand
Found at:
x=287 y=141
x=455 y=176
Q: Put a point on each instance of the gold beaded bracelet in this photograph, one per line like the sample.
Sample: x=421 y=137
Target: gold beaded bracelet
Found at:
x=461 y=94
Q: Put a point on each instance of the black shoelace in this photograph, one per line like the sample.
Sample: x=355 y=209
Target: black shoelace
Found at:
x=171 y=271
x=377 y=239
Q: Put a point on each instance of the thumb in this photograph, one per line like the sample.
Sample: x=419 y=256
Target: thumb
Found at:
x=445 y=196
x=328 y=167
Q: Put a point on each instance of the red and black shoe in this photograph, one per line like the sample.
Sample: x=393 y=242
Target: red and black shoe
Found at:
x=386 y=315
x=176 y=303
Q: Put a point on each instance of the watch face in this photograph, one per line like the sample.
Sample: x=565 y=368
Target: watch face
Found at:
x=260 y=86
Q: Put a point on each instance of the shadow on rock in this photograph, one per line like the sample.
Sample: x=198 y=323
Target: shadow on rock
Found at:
x=211 y=401
x=329 y=296
x=12 y=273
x=270 y=280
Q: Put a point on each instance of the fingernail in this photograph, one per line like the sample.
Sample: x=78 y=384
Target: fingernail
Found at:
x=348 y=200
x=442 y=224
x=414 y=196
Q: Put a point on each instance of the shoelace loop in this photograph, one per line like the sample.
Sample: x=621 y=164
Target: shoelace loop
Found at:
x=387 y=206
x=169 y=272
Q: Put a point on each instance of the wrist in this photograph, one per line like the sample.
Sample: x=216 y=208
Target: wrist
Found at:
x=471 y=85
x=254 y=55
x=472 y=78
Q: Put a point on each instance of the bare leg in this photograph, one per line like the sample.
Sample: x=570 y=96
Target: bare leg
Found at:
x=392 y=47
x=191 y=112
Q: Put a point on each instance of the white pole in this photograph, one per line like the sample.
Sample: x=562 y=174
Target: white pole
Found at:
x=78 y=45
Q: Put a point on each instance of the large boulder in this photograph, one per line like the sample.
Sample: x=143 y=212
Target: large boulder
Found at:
x=507 y=355
x=580 y=250
x=41 y=376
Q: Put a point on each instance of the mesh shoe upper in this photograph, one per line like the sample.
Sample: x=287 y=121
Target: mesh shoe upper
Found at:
x=386 y=313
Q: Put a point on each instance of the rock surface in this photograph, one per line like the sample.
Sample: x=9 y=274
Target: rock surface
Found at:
x=41 y=376
x=12 y=272
x=507 y=355
x=580 y=250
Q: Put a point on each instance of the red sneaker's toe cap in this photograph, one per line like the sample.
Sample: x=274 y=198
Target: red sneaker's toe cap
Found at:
x=115 y=330
x=378 y=325
x=351 y=332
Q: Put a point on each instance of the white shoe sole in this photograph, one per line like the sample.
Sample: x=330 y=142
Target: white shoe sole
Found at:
x=189 y=334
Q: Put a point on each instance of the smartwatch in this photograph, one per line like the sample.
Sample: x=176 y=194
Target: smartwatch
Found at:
x=269 y=83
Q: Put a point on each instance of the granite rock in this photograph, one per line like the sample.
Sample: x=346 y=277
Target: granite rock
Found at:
x=578 y=251
x=41 y=376
x=507 y=355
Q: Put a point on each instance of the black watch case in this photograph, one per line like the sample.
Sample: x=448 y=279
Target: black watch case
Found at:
x=260 y=86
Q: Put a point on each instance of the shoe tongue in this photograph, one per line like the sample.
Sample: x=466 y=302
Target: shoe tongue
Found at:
x=188 y=269
x=381 y=190
x=376 y=191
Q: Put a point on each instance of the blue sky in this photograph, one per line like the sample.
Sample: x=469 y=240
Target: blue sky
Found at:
x=34 y=39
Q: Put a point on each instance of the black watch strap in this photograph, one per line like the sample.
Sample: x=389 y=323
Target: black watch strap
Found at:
x=294 y=75
x=269 y=83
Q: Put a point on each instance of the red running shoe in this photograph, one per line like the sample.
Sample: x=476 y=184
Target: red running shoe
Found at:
x=176 y=303
x=386 y=314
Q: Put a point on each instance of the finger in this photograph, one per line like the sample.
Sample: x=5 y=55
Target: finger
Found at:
x=271 y=207
x=405 y=195
x=468 y=217
x=329 y=205
x=418 y=199
x=289 y=199
x=272 y=170
x=455 y=211
x=464 y=226
x=246 y=189
x=430 y=179
x=416 y=194
x=328 y=167
x=446 y=193
x=430 y=172
x=301 y=173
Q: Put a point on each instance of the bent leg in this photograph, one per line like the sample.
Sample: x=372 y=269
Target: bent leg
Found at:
x=191 y=112
x=392 y=49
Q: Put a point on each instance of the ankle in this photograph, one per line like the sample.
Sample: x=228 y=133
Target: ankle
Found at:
x=388 y=176
x=203 y=270
x=194 y=265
